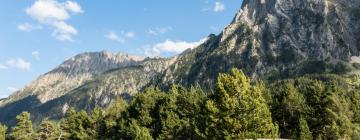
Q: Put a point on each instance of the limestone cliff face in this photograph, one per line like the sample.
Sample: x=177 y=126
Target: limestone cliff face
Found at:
x=267 y=39
x=83 y=81
x=73 y=73
x=274 y=38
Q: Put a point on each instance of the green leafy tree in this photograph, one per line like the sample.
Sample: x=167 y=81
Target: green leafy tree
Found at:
x=137 y=132
x=237 y=109
x=305 y=133
x=77 y=125
x=287 y=107
x=23 y=129
x=3 y=130
x=112 y=125
x=48 y=130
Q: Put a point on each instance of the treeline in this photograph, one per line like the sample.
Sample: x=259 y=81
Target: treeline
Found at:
x=312 y=107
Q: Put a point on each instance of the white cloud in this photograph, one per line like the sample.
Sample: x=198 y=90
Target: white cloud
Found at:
x=55 y=14
x=219 y=7
x=19 y=63
x=63 y=31
x=114 y=37
x=74 y=7
x=119 y=38
x=12 y=89
x=3 y=67
x=36 y=55
x=130 y=35
x=171 y=47
x=159 y=30
x=27 y=27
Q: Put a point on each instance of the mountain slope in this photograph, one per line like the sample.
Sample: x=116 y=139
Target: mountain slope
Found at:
x=274 y=39
x=100 y=75
x=267 y=39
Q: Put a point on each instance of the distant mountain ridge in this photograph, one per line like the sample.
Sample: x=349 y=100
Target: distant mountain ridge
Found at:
x=267 y=39
x=74 y=73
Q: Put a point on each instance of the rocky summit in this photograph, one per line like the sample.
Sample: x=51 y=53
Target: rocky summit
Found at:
x=267 y=39
x=270 y=39
x=106 y=72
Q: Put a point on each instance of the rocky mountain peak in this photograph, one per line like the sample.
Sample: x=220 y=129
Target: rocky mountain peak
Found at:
x=72 y=73
x=96 y=62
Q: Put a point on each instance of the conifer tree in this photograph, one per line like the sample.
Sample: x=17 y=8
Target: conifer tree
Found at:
x=47 y=130
x=305 y=133
x=3 y=130
x=23 y=129
x=238 y=110
x=137 y=132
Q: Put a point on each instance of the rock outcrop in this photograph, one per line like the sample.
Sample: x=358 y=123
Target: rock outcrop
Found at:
x=267 y=39
x=98 y=76
x=275 y=39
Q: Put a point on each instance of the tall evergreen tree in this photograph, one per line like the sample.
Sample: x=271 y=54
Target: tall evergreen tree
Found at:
x=305 y=133
x=47 y=130
x=3 y=130
x=238 y=110
x=137 y=132
x=23 y=129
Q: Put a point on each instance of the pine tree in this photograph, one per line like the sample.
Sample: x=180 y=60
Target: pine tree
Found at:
x=48 y=130
x=139 y=133
x=77 y=125
x=23 y=129
x=113 y=124
x=287 y=107
x=305 y=133
x=3 y=130
x=238 y=110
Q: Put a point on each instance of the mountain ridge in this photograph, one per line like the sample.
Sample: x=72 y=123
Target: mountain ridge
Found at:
x=267 y=39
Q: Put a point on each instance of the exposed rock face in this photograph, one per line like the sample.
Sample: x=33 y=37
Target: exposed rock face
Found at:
x=274 y=37
x=73 y=73
x=267 y=38
x=98 y=76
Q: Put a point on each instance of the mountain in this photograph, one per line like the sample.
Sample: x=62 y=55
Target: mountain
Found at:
x=101 y=75
x=271 y=39
x=267 y=39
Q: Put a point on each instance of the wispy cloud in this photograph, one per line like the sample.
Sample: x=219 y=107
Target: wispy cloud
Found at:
x=27 y=27
x=171 y=47
x=18 y=63
x=2 y=67
x=36 y=55
x=120 y=38
x=55 y=14
x=219 y=7
x=130 y=34
x=114 y=37
x=159 y=30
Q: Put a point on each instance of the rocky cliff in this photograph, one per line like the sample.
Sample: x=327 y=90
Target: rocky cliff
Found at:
x=275 y=39
x=84 y=81
x=267 y=39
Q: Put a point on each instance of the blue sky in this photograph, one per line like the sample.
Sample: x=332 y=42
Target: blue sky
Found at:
x=37 y=35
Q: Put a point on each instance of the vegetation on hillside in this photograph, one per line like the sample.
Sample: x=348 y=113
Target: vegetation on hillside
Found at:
x=309 y=107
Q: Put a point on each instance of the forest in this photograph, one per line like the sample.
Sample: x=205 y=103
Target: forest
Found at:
x=321 y=106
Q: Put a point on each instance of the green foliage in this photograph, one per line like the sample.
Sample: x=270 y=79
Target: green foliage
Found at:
x=139 y=133
x=47 y=130
x=3 y=130
x=79 y=125
x=304 y=130
x=237 y=109
x=304 y=108
x=23 y=129
x=324 y=104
